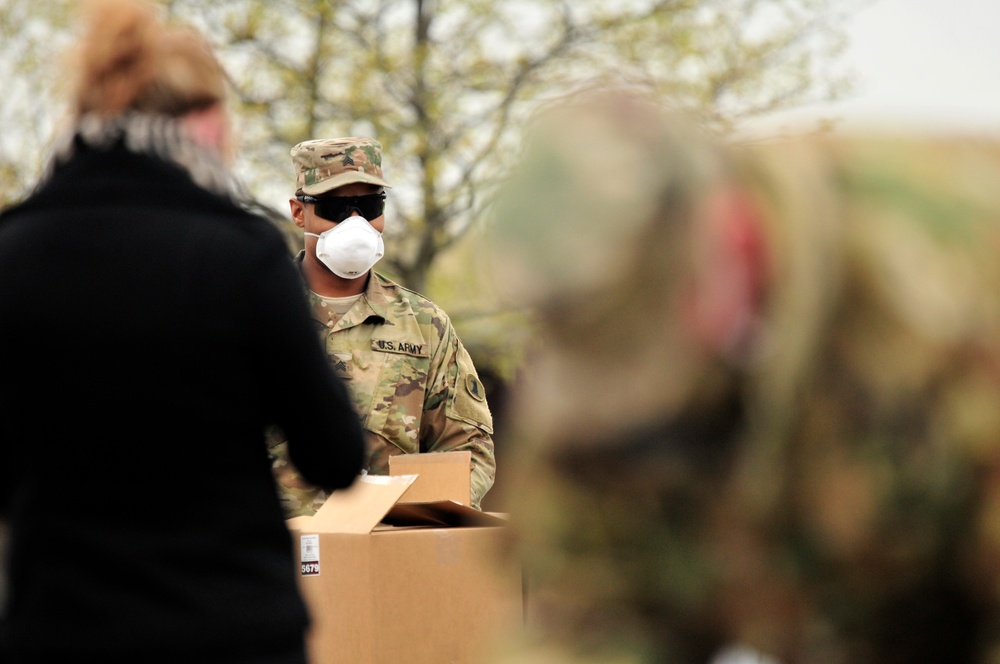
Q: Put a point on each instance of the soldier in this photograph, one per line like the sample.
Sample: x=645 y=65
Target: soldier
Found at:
x=766 y=408
x=412 y=381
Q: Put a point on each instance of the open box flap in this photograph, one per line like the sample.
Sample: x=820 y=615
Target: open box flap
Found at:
x=359 y=508
x=440 y=476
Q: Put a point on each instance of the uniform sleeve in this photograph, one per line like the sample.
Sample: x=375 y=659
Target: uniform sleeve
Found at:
x=298 y=497
x=456 y=415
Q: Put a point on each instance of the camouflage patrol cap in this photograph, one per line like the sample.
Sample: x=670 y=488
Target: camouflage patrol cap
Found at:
x=327 y=163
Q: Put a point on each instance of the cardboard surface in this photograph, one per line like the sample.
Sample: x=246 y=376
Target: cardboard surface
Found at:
x=441 y=476
x=417 y=583
x=360 y=507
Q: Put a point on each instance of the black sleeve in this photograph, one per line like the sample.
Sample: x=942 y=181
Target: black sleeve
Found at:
x=311 y=404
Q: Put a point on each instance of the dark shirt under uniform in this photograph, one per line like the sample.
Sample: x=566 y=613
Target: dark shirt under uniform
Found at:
x=149 y=330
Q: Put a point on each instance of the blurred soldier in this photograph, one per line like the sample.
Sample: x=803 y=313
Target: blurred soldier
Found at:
x=411 y=380
x=766 y=407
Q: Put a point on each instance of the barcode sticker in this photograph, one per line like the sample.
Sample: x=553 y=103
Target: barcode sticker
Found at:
x=309 y=547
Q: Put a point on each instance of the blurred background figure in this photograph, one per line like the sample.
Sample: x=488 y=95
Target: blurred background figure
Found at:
x=764 y=410
x=150 y=330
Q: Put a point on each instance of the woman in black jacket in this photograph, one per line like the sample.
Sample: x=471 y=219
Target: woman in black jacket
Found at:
x=150 y=329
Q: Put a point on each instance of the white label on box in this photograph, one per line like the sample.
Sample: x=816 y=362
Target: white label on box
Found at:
x=309 y=546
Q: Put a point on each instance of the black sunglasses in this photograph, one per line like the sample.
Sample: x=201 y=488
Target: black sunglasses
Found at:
x=338 y=208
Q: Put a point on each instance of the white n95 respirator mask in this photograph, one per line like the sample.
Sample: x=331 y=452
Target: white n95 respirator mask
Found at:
x=350 y=248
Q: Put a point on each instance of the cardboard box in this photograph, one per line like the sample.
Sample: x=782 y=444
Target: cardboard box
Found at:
x=440 y=476
x=392 y=582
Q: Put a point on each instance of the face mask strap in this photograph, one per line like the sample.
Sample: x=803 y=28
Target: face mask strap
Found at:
x=364 y=224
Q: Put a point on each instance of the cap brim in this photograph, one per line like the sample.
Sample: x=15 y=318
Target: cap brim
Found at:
x=348 y=177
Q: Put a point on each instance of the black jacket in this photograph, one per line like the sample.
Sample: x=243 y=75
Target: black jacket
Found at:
x=149 y=330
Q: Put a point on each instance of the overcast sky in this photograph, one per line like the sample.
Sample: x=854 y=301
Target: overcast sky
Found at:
x=929 y=64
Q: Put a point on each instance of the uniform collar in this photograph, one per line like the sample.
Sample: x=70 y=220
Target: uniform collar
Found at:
x=374 y=301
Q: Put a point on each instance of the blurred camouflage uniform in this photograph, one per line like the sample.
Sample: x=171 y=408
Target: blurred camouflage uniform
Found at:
x=411 y=379
x=826 y=489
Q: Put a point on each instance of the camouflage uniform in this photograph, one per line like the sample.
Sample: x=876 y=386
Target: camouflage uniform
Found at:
x=410 y=377
x=825 y=491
